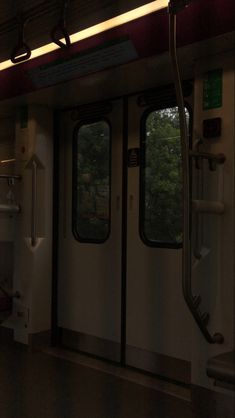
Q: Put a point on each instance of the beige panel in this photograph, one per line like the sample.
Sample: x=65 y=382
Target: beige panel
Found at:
x=33 y=264
x=157 y=317
x=90 y=274
x=213 y=275
x=7 y=145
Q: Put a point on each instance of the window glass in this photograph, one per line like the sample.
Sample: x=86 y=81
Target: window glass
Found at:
x=161 y=179
x=91 y=214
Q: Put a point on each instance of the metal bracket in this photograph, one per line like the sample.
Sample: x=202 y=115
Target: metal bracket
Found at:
x=201 y=318
x=10 y=178
x=176 y=6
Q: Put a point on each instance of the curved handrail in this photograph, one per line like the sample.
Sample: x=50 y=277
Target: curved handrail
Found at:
x=193 y=302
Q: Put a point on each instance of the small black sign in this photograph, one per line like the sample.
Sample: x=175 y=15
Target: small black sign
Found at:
x=133 y=157
x=212 y=128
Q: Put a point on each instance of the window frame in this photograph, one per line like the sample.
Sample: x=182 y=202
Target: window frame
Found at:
x=144 y=117
x=78 y=126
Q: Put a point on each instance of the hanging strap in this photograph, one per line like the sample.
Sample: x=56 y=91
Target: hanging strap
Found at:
x=60 y=31
x=22 y=51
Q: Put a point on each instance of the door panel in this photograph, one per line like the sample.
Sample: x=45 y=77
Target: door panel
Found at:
x=158 y=324
x=90 y=272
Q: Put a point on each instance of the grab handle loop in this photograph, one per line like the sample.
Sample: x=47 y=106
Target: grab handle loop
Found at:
x=22 y=51
x=60 y=32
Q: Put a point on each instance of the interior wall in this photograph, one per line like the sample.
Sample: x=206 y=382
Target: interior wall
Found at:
x=33 y=276
x=213 y=274
x=7 y=143
x=33 y=262
x=7 y=222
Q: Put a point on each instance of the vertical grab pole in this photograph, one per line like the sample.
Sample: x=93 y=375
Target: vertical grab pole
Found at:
x=186 y=257
x=34 y=205
x=192 y=301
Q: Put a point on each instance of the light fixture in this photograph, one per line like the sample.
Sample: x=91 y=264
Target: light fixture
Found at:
x=97 y=29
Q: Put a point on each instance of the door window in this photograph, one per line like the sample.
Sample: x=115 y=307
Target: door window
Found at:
x=91 y=185
x=161 y=210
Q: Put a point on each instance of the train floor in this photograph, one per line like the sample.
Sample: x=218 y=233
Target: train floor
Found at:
x=49 y=385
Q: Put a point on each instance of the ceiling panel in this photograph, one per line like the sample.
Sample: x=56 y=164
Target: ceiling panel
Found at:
x=44 y=15
x=9 y=8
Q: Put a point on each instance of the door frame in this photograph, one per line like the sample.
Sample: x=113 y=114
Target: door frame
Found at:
x=150 y=93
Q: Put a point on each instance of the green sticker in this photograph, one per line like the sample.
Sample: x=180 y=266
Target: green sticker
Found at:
x=213 y=89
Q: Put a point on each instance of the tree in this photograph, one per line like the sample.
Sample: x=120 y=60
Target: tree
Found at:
x=93 y=175
x=161 y=180
x=162 y=177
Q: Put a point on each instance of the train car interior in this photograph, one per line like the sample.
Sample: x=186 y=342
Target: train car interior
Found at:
x=117 y=208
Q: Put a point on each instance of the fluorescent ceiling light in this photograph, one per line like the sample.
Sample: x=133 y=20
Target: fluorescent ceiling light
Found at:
x=96 y=29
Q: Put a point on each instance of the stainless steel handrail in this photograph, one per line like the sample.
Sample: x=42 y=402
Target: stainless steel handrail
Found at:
x=213 y=159
x=218 y=158
x=208 y=206
x=193 y=302
x=10 y=177
x=34 y=205
x=10 y=209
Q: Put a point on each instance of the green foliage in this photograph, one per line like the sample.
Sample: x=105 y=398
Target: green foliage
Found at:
x=162 y=177
x=93 y=151
x=93 y=181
